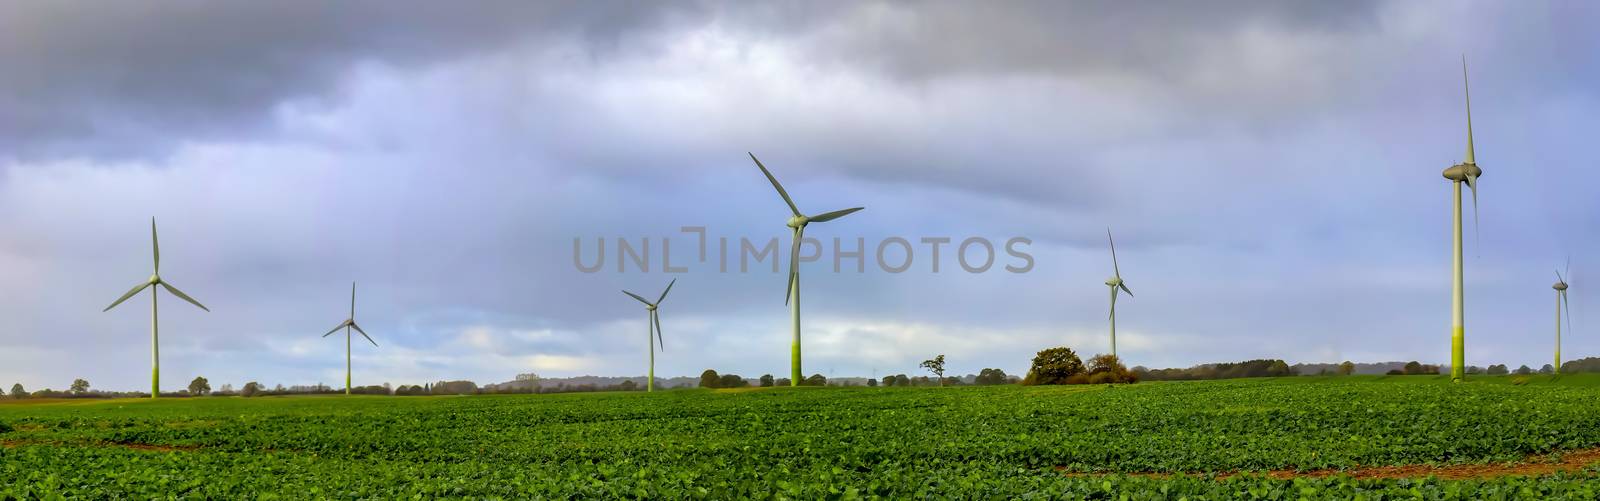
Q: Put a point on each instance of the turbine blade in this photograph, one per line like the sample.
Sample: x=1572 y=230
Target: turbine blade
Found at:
x=125 y=297
x=155 y=246
x=1114 y=267
x=775 y=184
x=1113 y=303
x=336 y=328
x=664 y=293
x=794 y=263
x=352 y=300
x=1568 y=306
x=364 y=334
x=185 y=297
x=655 y=316
x=1125 y=289
x=834 y=215
x=1560 y=278
x=636 y=296
x=1468 y=91
x=1472 y=182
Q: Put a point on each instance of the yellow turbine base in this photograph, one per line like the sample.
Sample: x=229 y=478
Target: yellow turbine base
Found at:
x=1458 y=357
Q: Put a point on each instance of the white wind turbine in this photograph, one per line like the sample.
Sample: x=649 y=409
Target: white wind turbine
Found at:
x=798 y=223
x=1115 y=282
x=347 y=324
x=1466 y=172
x=653 y=328
x=155 y=330
x=1561 y=302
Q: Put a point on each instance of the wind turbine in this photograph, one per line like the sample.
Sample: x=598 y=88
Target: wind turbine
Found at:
x=1465 y=172
x=798 y=223
x=1561 y=301
x=155 y=331
x=653 y=328
x=350 y=323
x=1115 y=282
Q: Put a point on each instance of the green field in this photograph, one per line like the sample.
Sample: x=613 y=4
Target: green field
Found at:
x=816 y=443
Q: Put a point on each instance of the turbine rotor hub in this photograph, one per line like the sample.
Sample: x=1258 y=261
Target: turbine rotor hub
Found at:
x=1560 y=286
x=798 y=222
x=1113 y=281
x=650 y=307
x=1460 y=172
x=155 y=279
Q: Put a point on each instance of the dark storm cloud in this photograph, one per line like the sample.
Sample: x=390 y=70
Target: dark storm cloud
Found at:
x=90 y=78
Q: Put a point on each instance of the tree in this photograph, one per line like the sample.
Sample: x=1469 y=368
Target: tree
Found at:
x=628 y=385
x=766 y=380
x=1054 y=366
x=990 y=377
x=199 y=386
x=18 y=392
x=1412 y=367
x=1347 y=368
x=872 y=383
x=1524 y=370
x=79 y=386
x=1499 y=370
x=888 y=381
x=936 y=366
x=710 y=379
x=250 y=389
x=1547 y=369
x=732 y=381
x=815 y=380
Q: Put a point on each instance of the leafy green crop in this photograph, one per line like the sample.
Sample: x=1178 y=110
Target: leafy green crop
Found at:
x=993 y=442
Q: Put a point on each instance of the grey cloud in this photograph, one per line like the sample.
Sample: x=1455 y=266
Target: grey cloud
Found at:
x=112 y=79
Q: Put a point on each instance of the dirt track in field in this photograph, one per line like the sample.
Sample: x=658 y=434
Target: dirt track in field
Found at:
x=1566 y=462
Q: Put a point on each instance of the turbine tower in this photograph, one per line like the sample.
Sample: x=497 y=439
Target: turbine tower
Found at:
x=1115 y=282
x=653 y=331
x=1466 y=172
x=798 y=224
x=347 y=324
x=155 y=330
x=1561 y=301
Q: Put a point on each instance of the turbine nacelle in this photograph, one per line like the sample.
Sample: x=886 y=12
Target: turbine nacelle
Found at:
x=797 y=222
x=1114 y=282
x=1466 y=172
x=1560 y=286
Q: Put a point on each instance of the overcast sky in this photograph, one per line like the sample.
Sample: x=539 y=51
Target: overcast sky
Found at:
x=1271 y=171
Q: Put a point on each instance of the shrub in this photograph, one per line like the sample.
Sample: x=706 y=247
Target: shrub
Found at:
x=1109 y=369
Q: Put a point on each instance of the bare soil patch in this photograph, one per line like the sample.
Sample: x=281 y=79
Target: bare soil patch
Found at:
x=1565 y=462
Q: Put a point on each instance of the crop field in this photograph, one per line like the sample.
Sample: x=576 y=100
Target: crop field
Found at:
x=1264 y=438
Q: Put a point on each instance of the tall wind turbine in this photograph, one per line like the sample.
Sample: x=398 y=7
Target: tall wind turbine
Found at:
x=1561 y=301
x=653 y=331
x=347 y=324
x=1115 y=282
x=155 y=331
x=1465 y=172
x=798 y=223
